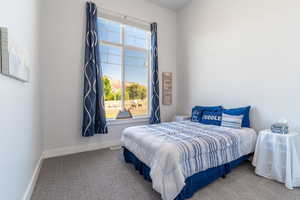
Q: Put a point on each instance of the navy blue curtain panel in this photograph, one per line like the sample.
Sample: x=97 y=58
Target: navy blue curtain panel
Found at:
x=94 y=121
x=155 y=109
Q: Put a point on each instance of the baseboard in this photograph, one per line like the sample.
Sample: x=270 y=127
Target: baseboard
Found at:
x=33 y=180
x=80 y=148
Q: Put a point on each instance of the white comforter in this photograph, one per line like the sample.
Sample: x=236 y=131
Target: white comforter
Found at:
x=174 y=151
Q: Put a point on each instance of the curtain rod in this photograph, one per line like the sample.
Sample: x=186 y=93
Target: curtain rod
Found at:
x=124 y=16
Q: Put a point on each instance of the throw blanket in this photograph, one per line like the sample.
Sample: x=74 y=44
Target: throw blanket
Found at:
x=177 y=150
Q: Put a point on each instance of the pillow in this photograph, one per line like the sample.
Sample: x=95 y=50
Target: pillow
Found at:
x=240 y=111
x=197 y=111
x=232 y=121
x=211 y=117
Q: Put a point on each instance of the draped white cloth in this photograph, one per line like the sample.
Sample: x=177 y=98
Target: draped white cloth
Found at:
x=277 y=157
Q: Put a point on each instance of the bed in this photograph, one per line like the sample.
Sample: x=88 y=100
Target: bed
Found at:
x=182 y=157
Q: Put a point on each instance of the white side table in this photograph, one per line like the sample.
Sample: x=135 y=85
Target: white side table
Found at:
x=277 y=157
x=179 y=118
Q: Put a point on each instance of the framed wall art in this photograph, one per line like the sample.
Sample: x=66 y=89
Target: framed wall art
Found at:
x=167 y=88
x=11 y=62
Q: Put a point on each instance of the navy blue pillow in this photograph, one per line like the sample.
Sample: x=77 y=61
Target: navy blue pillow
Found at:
x=197 y=111
x=212 y=117
x=240 y=111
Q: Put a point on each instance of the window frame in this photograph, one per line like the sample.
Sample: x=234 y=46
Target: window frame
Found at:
x=125 y=22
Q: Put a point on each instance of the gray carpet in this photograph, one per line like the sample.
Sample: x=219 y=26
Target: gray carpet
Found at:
x=103 y=175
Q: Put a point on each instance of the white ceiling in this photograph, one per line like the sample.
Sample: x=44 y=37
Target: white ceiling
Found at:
x=171 y=4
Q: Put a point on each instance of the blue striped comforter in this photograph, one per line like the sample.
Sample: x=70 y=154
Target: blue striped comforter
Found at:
x=177 y=150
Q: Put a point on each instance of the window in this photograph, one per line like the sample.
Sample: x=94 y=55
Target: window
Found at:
x=125 y=56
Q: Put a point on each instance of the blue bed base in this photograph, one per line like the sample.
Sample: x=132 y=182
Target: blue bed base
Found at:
x=192 y=183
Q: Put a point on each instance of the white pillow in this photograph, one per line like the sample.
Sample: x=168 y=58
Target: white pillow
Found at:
x=232 y=121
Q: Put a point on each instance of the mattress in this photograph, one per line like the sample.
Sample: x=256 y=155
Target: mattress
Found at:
x=177 y=150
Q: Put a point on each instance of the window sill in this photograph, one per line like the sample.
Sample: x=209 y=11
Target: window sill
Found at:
x=112 y=122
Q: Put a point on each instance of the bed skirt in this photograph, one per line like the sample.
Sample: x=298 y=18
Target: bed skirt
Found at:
x=192 y=183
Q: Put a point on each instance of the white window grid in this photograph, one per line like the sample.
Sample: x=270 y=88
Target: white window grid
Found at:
x=124 y=46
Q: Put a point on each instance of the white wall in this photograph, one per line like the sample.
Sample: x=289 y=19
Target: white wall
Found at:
x=239 y=53
x=20 y=134
x=62 y=49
